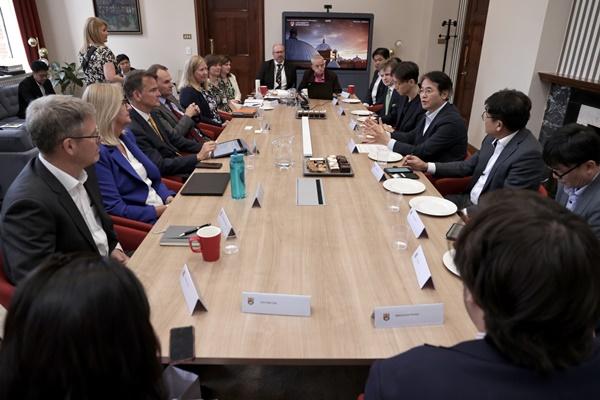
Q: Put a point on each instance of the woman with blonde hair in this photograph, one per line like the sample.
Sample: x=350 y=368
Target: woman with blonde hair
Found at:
x=129 y=182
x=194 y=88
x=97 y=61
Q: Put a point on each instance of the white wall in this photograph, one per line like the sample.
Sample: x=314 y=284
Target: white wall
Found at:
x=514 y=51
x=163 y=24
x=415 y=23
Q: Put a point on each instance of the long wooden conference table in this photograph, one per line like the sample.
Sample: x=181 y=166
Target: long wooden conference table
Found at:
x=340 y=253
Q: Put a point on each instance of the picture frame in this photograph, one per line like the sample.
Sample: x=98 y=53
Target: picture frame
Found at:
x=123 y=16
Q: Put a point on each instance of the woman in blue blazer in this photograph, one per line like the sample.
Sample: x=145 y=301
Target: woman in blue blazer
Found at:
x=129 y=182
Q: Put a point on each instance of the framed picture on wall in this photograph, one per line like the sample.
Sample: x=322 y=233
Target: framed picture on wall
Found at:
x=122 y=16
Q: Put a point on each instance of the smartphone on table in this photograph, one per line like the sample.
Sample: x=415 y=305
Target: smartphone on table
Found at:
x=401 y=172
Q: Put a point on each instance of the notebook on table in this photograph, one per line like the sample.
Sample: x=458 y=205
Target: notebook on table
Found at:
x=206 y=184
x=171 y=237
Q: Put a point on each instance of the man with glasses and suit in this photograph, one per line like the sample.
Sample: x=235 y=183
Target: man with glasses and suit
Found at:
x=53 y=206
x=276 y=73
x=573 y=154
x=510 y=156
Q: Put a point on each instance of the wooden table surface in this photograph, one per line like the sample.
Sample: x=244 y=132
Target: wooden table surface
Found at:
x=340 y=254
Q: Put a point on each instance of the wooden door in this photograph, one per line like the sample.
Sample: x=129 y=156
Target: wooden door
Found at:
x=469 y=57
x=235 y=28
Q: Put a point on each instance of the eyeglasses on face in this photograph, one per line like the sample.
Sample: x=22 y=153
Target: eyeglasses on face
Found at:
x=96 y=136
x=485 y=115
x=560 y=176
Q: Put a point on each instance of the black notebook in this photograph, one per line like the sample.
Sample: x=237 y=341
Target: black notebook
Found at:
x=206 y=184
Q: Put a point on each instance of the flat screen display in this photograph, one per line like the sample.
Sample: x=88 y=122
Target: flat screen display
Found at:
x=343 y=42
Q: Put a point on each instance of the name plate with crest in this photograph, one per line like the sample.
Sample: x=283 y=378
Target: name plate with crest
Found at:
x=276 y=304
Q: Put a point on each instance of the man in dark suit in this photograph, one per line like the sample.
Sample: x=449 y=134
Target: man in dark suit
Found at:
x=53 y=206
x=34 y=86
x=406 y=78
x=440 y=136
x=170 y=113
x=573 y=153
x=532 y=285
x=318 y=73
x=159 y=142
x=377 y=90
x=276 y=73
x=393 y=101
x=510 y=156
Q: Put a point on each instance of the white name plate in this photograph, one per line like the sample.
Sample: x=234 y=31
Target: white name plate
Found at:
x=352 y=146
x=345 y=94
x=412 y=315
x=377 y=172
x=352 y=125
x=416 y=224
x=334 y=101
x=258 y=196
x=421 y=268
x=226 y=228
x=276 y=304
x=190 y=293
x=340 y=111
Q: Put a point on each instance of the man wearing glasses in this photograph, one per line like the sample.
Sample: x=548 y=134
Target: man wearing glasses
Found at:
x=53 y=206
x=510 y=156
x=573 y=154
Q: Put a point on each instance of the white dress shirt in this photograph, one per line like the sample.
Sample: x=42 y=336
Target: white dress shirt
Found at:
x=81 y=199
x=375 y=87
x=153 y=198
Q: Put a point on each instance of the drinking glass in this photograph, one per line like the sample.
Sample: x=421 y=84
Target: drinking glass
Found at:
x=399 y=235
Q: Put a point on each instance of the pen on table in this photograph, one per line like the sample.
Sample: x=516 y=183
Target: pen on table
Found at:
x=191 y=230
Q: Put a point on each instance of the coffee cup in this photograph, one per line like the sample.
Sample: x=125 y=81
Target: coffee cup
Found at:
x=263 y=90
x=351 y=89
x=208 y=242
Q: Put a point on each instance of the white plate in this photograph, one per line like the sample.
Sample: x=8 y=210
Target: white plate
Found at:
x=351 y=101
x=392 y=157
x=430 y=205
x=404 y=186
x=267 y=108
x=448 y=260
x=361 y=112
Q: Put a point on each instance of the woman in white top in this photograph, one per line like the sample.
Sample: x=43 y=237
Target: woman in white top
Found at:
x=129 y=182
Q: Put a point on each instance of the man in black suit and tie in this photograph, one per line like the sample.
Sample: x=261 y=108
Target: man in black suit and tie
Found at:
x=160 y=143
x=377 y=90
x=406 y=78
x=276 y=73
x=531 y=286
x=573 y=153
x=510 y=156
x=440 y=136
x=169 y=113
x=393 y=101
x=53 y=206
x=34 y=86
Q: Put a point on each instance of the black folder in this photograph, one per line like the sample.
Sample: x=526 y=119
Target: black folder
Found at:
x=206 y=184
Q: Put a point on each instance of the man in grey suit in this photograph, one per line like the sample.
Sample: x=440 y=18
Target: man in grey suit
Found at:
x=510 y=156
x=170 y=113
x=573 y=154
x=54 y=206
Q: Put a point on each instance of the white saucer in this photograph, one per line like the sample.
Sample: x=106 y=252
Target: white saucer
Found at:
x=448 y=260
x=351 y=101
x=361 y=112
x=404 y=186
x=430 y=205
x=267 y=108
x=392 y=157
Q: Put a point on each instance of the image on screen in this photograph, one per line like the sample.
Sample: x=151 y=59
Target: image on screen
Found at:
x=343 y=42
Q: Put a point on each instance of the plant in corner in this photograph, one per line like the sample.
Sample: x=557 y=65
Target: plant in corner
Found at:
x=68 y=77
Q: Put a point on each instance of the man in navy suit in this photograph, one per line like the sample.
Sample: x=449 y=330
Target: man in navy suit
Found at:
x=406 y=78
x=276 y=73
x=54 y=205
x=573 y=153
x=532 y=287
x=160 y=143
x=510 y=156
x=34 y=86
x=440 y=136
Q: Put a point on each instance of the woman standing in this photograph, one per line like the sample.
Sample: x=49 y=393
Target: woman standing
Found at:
x=97 y=61
x=193 y=88
x=129 y=182
x=228 y=82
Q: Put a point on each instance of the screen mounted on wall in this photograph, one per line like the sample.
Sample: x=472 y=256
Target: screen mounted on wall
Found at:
x=343 y=42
